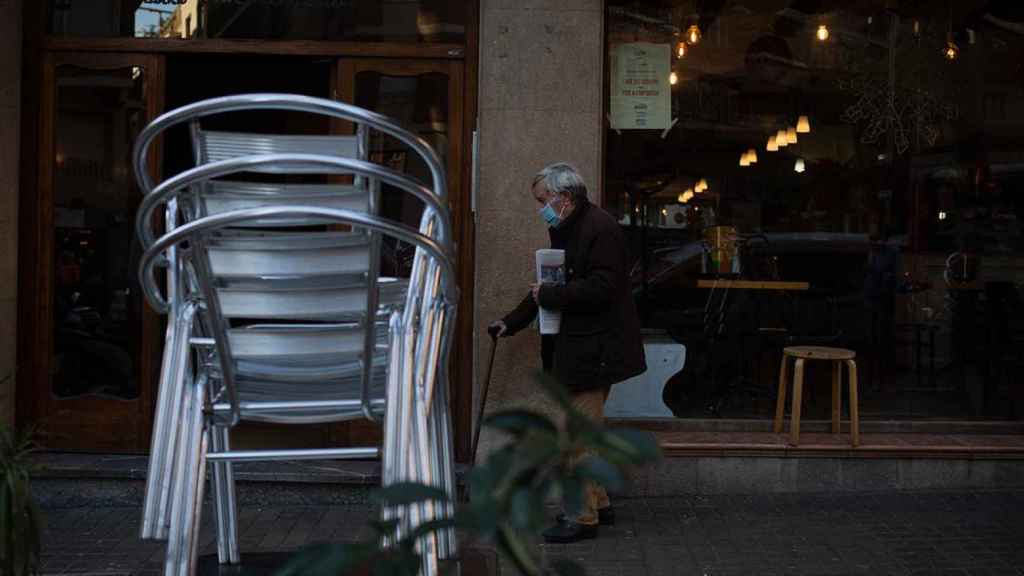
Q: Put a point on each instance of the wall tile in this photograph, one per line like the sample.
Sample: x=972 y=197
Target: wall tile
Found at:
x=517 y=143
x=541 y=60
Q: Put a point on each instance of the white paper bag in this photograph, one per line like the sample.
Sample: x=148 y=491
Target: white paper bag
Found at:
x=550 y=270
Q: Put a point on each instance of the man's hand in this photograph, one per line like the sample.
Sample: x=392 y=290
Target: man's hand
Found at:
x=497 y=329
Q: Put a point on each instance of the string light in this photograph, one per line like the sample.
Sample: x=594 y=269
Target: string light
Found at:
x=772 y=145
x=681 y=49
x=693 y=34
x=822 y=33
x=803 y=125
x=673 y=79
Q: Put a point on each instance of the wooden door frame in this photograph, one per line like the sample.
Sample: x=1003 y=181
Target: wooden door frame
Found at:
x=37 y=44
x=36 y=297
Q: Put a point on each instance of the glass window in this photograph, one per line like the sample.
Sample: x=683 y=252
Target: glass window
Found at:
x=97 y=307
x=874 y=160
x=355 y=20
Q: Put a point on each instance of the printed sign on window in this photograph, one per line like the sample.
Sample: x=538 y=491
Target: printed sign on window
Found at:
x=640 y=87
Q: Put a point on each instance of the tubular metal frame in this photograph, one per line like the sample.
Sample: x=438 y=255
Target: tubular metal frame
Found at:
x=167 y=450
x=420 y=447
x=153 y=517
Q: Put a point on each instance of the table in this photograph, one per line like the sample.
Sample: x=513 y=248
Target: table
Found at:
x=716 y=314
x=753 y=284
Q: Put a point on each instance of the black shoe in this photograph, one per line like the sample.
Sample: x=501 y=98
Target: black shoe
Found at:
x=569 y=532
x=605 y=517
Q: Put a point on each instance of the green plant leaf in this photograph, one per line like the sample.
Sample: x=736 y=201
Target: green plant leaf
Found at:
x=480 y=517
x=432 y=526
x=519 y=422
x=572 y=495
x=405 y=493
x=638 y=446
x=601 y=471
x=326 y=560
x=481 y=482
x=384 y=527
x=520 y=508
x=402 y=561
x=566 y=567
x=518 y=552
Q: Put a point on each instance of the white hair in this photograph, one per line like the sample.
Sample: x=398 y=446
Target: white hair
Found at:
x=562 y=178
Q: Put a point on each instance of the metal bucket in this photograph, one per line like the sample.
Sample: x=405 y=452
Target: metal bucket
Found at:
x=721 y=253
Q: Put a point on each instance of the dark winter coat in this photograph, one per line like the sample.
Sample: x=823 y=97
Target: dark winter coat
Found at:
x=599 y=341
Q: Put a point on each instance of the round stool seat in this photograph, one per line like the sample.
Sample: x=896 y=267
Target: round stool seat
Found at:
x=819 y=353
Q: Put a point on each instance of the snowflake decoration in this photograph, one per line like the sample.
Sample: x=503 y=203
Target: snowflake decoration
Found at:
x=907 y=100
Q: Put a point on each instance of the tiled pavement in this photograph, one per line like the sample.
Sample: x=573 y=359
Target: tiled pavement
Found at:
x=801 y=534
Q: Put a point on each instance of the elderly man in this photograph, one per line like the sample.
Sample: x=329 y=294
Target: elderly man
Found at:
x=599 y=341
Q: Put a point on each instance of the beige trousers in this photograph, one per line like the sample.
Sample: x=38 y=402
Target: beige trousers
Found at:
x=591 y=404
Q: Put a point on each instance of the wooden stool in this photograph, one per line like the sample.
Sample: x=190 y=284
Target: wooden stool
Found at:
x=838 y=356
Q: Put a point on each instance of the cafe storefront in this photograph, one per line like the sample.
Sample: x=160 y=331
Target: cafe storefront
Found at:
x=838 y=174
x=96 y=72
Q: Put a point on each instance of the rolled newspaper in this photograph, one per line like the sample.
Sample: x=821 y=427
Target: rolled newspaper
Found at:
x=550 y=270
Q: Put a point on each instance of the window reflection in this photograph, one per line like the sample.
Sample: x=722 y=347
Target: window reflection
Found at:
x=420 y=103
x=362 y=20
x=97 y=310
x=861 y=160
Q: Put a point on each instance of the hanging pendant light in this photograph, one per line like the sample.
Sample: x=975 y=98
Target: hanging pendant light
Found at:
x=799 y=167
x=781 y=140
x=744 y=160
x=822 y=33
x=791 y=135
x=693 y=34
x=803 y=125
x=752 y=156
x=673 y=78
x=951 y=52
x=701 y=186
x=681 y=49
x=772 y=145
x=681 y=198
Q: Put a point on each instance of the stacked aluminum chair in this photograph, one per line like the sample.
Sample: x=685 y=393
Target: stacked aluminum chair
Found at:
x=274 y=315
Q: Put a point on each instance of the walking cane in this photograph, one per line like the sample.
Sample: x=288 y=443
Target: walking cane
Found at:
x=483 y=396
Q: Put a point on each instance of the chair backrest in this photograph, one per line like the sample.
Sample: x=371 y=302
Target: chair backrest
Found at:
x=306 y=291
x=220 y=196
x=223 y=145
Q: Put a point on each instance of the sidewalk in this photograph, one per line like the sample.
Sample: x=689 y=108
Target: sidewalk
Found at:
x=915 y=534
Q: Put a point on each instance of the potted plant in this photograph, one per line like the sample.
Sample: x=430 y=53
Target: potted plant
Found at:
x=507 y=495
x=19 y=515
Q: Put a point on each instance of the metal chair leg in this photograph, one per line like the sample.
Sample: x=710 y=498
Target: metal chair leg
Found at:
x=182 y=505
x=173 y=375
x=224 y=500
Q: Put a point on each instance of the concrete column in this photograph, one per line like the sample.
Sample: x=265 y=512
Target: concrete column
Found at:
x=10 y=138
x=541 y=64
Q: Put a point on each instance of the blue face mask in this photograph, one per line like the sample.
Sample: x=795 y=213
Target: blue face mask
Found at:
x=550 y=216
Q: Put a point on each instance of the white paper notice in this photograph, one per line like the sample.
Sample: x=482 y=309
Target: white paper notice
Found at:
x=550 y=270
x=640 y=86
